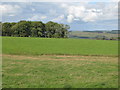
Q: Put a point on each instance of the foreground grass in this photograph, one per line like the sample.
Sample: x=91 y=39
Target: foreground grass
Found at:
x=41 y=46
x=57 y=71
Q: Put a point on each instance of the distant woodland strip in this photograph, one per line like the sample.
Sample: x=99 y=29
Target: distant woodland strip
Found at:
x=35 y=29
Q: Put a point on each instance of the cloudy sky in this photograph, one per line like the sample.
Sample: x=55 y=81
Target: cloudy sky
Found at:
x=87 y=15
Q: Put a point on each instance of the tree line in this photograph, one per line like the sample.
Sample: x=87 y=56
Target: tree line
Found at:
x=35 y=29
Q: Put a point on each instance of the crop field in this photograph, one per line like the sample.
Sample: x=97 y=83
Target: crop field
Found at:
x=59 y=63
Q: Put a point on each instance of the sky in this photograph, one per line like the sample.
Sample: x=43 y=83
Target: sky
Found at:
x=79 y=15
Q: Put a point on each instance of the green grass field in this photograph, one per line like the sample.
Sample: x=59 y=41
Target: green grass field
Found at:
x=40 y=46
x=59 y=71
x=59 y=63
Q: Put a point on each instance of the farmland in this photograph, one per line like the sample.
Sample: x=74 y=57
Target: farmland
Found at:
x=59 y=44
x=94 y=34
x=41 y=46
x=59 y=63
x=59 y=71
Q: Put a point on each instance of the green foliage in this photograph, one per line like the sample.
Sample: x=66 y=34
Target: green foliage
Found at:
x=56 y=30
x=6 y=29
x=39 y=46
x=0 y=29
x=35 y=29
x=22 y=29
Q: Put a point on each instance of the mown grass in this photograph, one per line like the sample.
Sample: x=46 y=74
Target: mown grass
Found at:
x=59 y=71
x=52 y=63
x=40 y=46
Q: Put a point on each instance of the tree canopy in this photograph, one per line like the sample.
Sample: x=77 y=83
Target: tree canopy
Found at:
x=35 y=29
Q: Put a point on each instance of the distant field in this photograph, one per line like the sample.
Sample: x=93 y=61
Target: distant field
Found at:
x=59 y=71
x=80 y=34
x=40 y=46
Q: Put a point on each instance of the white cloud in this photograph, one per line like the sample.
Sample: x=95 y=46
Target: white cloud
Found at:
x=114 y=0
x=13 y=0
x=90 y=17
x=64 y=5
x=52 y=12
x=81 y=13
x=59 y=0
x=33 y=9
x=70 y=18
x=9 y=10
x=58 y=19
x=37 y=17
x=43 y=17
x=11 y=15
x=110 y=11
x=91 y=13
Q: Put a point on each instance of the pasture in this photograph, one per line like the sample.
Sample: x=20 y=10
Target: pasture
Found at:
x=59 y=63
x=59 y=71
x=50 y=46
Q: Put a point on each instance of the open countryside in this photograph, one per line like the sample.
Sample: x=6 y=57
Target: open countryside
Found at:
x=59 y=44
x=65 y=63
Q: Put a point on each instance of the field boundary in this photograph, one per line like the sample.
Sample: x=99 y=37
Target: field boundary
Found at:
x=62 y=55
